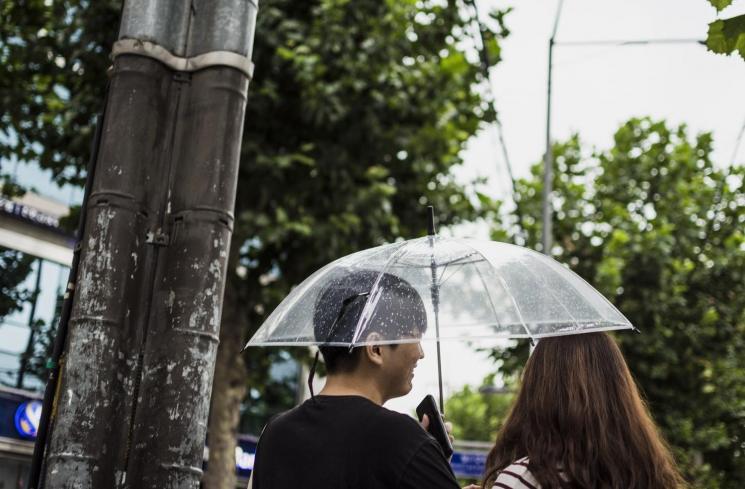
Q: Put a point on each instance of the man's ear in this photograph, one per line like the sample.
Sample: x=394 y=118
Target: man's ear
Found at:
x=373 y=352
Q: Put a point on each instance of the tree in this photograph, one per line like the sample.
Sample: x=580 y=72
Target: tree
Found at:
x=658 y=229
x=726 y=36
x=476 y=415
x=15 y=267
x=372 y=103
x=356 y=115
x=53 y=61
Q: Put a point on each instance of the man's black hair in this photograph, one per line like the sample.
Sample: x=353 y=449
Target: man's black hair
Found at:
x=399 y=312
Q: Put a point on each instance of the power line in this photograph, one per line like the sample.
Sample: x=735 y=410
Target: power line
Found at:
x=548 y=160
x=629 y=42
x=485 y=66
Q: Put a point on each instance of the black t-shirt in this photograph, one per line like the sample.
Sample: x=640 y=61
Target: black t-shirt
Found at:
x=349 y=442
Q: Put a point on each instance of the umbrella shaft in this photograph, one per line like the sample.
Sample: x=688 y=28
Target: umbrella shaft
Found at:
x=436 y=306
x=439 y=363
x=435 y=292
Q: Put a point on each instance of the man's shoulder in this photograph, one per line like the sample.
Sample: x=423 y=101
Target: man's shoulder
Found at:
x=356 y=415
x=399 y=420
x=278 y=421
x=394 y=429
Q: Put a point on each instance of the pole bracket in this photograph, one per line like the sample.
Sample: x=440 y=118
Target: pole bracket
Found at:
x=157 y=238
x=178 y=63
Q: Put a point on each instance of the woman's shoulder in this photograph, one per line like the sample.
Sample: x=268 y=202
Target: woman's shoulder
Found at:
x=517 y=475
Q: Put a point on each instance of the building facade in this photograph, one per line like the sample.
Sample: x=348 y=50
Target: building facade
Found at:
x=35 y=257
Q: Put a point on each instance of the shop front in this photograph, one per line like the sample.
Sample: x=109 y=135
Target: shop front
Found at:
x=20 y=412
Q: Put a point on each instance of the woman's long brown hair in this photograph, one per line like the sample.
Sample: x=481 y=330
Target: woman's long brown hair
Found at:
x=582 y=423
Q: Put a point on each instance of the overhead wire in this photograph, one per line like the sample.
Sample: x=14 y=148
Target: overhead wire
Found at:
x=630 y=42
x=610 y=45
x=485 y=69
x=486 y=65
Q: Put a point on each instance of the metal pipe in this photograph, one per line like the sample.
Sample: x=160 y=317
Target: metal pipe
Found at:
x=53 y=364
x=435 y=293
x=88 y=441
x=135 y=383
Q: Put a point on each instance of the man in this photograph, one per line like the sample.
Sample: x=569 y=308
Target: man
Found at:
x=343 y=437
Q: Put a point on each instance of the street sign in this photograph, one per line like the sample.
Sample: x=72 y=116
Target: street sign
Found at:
x=468 y=465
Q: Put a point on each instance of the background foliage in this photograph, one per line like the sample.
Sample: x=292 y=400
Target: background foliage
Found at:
x=477 y=414
x=371 y=103
x=658 y=229
x=14 y=268
x=356 y=116
x=355 y=119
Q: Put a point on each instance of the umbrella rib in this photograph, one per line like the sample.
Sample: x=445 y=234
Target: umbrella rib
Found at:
x=491 y=302
x=548 y=287
x=517 y=309
x=457 y=261
x=441 y=281
x=486 y=287
x=371 y=299
x=508 y=291
x=605 y=299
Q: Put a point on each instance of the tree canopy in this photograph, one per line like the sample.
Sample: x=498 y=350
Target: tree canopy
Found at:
x=15 y=267
x=657 y=227
x=477 y=414
x=355 y=119
x=356 y=115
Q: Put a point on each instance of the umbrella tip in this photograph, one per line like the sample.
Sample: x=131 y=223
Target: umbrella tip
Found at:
x=431 y=221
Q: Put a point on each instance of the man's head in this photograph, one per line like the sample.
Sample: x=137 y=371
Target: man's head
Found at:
x=398 y=314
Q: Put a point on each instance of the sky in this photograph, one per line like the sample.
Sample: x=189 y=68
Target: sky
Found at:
x=595 y=89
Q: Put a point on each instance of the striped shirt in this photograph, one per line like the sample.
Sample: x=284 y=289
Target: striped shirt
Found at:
x=516 y=476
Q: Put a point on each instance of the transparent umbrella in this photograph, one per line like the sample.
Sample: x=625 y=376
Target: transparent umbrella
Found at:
x=437 y=288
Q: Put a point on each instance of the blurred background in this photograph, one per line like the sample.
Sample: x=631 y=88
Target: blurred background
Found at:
x=362 y=113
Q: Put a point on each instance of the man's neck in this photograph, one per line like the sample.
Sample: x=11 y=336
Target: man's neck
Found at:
x=352 y=385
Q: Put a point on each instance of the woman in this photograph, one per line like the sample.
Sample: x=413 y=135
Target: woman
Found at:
x=579 y=422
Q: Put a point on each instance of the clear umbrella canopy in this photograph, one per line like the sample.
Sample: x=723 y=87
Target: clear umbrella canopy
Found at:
x=437 y=288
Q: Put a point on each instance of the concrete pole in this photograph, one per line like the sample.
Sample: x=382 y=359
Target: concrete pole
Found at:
x=132 y=402
x=548 y=160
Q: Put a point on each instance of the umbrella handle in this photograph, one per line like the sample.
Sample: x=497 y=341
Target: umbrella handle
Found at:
x=431 y=231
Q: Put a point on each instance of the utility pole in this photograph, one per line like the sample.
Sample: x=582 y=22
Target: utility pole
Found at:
x=131 y=402
x=548 y=161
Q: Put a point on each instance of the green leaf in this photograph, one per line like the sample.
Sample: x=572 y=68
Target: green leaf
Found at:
x=727 y=35
x=720 y=4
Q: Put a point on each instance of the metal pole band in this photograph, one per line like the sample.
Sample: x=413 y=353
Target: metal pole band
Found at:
x=177 y=63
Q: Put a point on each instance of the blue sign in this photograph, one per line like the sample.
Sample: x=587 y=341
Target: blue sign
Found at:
x=244 y=460
x=469 y=465
x=245 y=452
x=27 y=418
